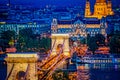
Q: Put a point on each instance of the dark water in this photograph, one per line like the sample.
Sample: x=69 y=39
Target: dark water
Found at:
x=3 y=70
x=85 y=71
x=99 y=72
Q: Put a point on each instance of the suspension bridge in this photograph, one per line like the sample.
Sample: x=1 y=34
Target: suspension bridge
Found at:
x=23 y=66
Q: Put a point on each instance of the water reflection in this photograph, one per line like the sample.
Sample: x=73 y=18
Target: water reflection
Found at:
x=98 y=71
x=3 y=70
x=85 y=71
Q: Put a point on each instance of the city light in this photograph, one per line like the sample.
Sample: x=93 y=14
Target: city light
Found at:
x=60 y=40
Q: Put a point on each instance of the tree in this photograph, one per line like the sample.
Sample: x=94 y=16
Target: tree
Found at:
x=83 y=41
x=27 y=32
x=92 y=44
x=11 y=42
x=60 y=75
x=115 y=44
x=25 y=39
x=88 y=39
x=32 y=42
x=4 y=44
x=7 y=39
x=46 y=43
x=8 y=35
x=21 y=43
x=100 y=39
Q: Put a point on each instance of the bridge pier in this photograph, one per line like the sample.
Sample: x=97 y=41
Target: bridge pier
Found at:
x=60 y=39
x=21 y=66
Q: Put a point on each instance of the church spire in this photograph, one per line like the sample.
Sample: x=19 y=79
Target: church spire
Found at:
x=87 y=9
x=54 y=26
x=109 y=6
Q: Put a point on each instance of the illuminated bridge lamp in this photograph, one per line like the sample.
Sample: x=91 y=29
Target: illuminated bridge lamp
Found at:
x=67 y=54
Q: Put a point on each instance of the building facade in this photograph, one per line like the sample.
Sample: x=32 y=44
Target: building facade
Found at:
x=101 y=9
x=80 y=27
x=36 y=28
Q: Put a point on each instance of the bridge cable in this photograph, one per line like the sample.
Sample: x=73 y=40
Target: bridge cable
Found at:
x=10 y=72
x=61 y=51
x=26 y=72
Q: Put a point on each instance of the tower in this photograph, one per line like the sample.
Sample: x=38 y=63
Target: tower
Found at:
x=60 y=39
x=87 y=9
x=109 y=8
x=100 y=9
x=54 y=26
x=21 y=66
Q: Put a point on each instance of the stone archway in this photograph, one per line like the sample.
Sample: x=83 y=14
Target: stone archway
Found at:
x=20 y=75
x=58 y=39
x=59 y=48
x=20 y=63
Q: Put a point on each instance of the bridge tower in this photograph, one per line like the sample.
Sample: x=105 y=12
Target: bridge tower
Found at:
x=62 y=39
x=21 y=66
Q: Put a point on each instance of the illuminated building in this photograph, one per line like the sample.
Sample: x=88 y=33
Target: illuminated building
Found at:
x=92 y=24
x=113 y=23
x=101 y=9
x=79 y=27
x=54 y=25
x=87 y=9
x=19 y=17
x=37 y=28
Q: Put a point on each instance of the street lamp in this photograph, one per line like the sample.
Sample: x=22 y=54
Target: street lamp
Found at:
x=8 y=4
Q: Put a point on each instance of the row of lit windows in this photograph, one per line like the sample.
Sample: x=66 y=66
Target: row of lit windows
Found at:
x=100 y=9
x=64 y=31
x=21 y=26
x=78 y=35
x=38 y=28
x=34 y=28
x=8 y=28
x=92 y=32
x=93 y=29
x=73 y=30
x=100 y=4
x=82 y=30
x=16 y=28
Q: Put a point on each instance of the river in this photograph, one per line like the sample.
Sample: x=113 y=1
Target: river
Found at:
x=85 y=71
x=98 y=71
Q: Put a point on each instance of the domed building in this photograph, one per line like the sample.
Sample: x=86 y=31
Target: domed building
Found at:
x=101 y=9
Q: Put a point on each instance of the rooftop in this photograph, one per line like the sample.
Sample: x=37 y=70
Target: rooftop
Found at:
x=23 y=55
x=65 y=21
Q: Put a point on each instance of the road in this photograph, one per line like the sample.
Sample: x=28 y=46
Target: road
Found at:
x=46 y=69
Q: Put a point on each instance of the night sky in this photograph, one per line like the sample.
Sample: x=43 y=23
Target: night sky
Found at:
x=59 y=3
